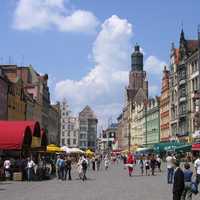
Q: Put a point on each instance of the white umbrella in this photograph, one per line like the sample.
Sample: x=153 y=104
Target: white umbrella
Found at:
x=66 y=149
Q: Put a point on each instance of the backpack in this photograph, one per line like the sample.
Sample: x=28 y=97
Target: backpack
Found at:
x=84 y=164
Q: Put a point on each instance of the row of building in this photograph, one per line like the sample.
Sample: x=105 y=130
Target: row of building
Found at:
x=175 y=114
x=24 y=95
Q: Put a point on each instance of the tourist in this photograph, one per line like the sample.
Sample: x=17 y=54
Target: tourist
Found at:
x=93 y=163
x=68 y=166
x=79 y=168
x=7 y=169
x=197 y=168
x=106 y=162
x=130 y=162
x=141 y=165
x=58 y=167
x=178 y=185
x=30 y=169
x=153 y=165
x=98 y=163
x=170 y=169
x=158 y=160
x=147 y=166
x=187 y=193
x=84 y=163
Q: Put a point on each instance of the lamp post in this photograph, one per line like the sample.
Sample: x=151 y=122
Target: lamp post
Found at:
x=129 y=127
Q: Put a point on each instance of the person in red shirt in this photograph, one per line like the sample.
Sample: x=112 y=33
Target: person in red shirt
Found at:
x=130 y=162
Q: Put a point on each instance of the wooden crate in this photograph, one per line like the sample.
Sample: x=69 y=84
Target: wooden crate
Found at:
x=17 y=176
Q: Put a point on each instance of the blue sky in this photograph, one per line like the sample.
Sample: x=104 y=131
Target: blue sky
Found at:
x=71 y=41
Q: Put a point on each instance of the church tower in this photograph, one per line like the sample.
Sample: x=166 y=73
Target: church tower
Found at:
x=138 y=84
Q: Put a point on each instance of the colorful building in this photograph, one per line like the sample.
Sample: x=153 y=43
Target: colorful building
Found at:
x=152 y=122
x=165 y=107
x=3 y=96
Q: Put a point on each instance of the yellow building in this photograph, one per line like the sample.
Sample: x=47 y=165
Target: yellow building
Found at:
x=16 y=103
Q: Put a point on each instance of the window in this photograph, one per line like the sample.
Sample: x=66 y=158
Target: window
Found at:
x=74 y=141
x=68 y=142
x=63 y=141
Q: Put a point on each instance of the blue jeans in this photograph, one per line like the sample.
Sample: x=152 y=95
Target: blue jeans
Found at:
x=29 y=174
x=170 y=175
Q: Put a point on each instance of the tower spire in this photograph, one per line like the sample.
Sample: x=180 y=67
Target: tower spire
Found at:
x=137 y=59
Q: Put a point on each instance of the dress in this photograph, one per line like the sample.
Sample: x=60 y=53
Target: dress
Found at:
x=130 y=164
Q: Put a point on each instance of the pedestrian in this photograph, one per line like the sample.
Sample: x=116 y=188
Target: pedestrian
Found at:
x=84 y=164
x=30 y=169
x=106 y=162
x=7 y=169
x=178 y=185
x=147 y=166
x=61 y=167
x=130 y=164
x=141 y=165
x=187 y=193
x=93 y=163
x=98 y=163
x=68 y=166
x=158 y=160
x=197 y=168
x=58 y=167
x=79 y=168
x=153 y=165
x=170 y=169
x=124 y=161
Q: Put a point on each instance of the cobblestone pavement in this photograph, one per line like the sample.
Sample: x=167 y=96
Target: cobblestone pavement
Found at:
x=113 y=184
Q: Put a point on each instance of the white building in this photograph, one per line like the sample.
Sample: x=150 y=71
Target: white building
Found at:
x=69 y=127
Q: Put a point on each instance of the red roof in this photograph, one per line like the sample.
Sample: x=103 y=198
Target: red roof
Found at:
x=14 y=135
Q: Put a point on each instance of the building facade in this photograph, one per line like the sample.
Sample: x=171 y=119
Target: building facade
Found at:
x=165 y=133
x=152 y=122
x=3 y=96
x=87 y=129
x=138 y=125
x=53 y=135
x=187 y=73
x=69 y=127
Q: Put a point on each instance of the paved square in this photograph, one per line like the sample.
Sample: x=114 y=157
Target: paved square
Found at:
x=113 y=184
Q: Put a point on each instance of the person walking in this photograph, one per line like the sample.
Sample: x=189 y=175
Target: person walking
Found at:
x=7 y=169
x=158 y=161
x=84 y=164
x=147 y=166
x=130 y=162
x=68 y=167
x=197 y=169
x=79 y=168
x=93 y=163
x=58 y=167
x=98 y=163
x=141 y=165
x=30 y=169
x=170 y=169
x=178 y=185
x=106 y=162
x=187 y=193
x=153 y=165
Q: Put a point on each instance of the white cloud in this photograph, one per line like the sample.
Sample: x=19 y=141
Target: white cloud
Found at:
x=45 y=14
x=153 y=65
x=103 y=87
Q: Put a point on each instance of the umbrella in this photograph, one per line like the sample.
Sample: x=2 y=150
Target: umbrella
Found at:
x=52 y=148
x=66 y=149
x=89 y=152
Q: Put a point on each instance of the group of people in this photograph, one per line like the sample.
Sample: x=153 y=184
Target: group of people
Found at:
x=185 y=181
x=146 y=163
x=27 y=166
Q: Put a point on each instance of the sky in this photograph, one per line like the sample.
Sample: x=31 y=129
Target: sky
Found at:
x=85 y=45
